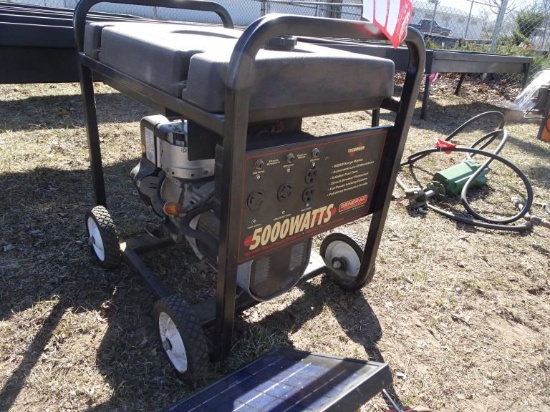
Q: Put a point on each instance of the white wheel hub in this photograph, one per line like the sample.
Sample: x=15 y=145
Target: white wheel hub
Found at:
x=172 y=342
x=341 y=256
x=95 y=239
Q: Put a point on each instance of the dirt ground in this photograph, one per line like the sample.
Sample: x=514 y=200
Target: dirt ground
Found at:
x=460 y=314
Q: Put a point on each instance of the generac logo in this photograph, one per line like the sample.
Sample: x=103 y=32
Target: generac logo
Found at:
x=353 y=150
x=289 y=226
x=353 y=203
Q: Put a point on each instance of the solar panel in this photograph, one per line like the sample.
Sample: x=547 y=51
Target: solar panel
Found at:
x=287 y=380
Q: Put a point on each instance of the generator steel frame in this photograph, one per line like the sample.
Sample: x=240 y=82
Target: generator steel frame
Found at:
x=232 y=126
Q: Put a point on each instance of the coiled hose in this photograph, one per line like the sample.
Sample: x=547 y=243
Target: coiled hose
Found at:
x=477 y=148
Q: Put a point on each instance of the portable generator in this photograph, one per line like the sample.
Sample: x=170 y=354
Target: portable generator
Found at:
x=227 y=164
x=296 y=185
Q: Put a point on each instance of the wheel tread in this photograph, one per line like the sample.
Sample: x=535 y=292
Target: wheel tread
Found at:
x=109 y=236
x=184 y=317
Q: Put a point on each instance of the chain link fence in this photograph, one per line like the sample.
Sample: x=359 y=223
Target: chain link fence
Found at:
x=509 y=27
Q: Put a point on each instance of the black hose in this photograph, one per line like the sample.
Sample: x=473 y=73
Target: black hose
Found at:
x=484 y=141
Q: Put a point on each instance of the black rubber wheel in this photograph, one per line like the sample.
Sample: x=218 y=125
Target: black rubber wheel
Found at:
x=103 y=237
x=182 y=338
x=342 y=255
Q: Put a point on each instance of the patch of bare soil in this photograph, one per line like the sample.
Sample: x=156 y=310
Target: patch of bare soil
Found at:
x=460 y=314
x=493 y=88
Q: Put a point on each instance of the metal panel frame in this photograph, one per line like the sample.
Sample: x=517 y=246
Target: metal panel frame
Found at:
x=369 y=379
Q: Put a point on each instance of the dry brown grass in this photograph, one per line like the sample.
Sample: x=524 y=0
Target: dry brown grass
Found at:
x=460 y=314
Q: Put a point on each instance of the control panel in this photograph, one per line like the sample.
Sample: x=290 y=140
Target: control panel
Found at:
x=297 y=190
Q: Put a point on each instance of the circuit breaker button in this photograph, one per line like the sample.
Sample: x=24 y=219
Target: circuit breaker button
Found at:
x=255 y=199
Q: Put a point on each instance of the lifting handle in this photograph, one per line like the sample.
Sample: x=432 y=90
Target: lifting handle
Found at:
x=83 y=6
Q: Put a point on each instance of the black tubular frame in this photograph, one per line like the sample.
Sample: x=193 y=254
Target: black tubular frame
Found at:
x=232 y=126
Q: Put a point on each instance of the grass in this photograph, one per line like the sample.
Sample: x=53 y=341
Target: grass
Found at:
x=460 y=314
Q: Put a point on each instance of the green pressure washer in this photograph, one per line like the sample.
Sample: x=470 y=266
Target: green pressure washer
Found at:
x=452 y=180
x=457 y=180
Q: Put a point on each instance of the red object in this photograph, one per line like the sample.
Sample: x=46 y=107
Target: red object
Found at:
x=441 y=144
x=391 y=16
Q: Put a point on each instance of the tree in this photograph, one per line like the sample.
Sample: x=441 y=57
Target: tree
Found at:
x=528 y=21
x=496 y=5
